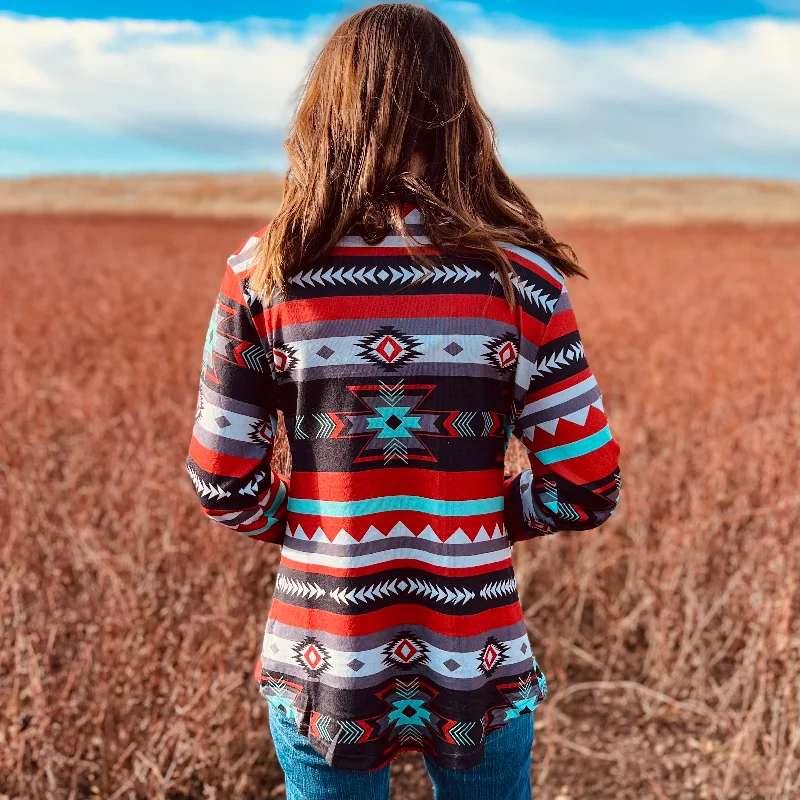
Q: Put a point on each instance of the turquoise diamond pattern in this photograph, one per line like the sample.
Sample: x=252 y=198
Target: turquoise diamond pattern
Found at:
x=409 y=713
x=394 y=422
x=532 y=690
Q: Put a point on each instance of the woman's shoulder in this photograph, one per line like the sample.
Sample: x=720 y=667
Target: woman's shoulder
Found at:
x=241 y=260
x=532 y=267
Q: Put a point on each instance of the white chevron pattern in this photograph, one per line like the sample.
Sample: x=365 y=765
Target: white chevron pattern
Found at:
x=556 y=361
x=433 y=592
x=307 y=590
x=536 y=296
x=461 y=733
x=409 y=733
x=407 y=689
x=326 y=425
x=255 y=357
x=566 y=511
x=278 y=687
x=299 y=433
x=391 y=395
x=346 y=596
x=375 y=275
x=205 y=489
x=395 y=448
x=463 y=421
x=349 y=732
x=323 y=726
x=498 y=588
x=378 y=591
x=252 y=486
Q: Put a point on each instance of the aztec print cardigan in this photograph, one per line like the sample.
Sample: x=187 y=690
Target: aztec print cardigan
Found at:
x=396 y=623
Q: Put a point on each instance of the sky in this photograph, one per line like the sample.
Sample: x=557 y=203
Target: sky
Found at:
x=582 y=88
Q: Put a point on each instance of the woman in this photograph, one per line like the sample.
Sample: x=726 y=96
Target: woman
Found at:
x=406 y=311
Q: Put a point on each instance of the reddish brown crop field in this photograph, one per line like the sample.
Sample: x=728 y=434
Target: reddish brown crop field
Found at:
x=671 y=637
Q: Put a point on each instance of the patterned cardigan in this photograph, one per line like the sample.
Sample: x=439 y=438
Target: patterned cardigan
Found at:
x=396 y=622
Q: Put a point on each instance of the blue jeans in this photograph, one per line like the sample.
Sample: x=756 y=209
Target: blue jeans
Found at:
x=504 y=773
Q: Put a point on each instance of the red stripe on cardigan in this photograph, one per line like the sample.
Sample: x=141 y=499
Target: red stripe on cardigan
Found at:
x=400 y=563
x=399 y=614
x=297 y=312
x=220 y=463
x=468 y=485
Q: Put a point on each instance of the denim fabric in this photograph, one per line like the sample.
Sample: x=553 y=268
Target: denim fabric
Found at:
x=504 y=773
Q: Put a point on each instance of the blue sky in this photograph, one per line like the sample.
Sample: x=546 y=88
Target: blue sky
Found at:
x=623 y=87
x=612 y=14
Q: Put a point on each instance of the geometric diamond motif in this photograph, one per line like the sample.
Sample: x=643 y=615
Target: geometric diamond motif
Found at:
x=410 y=713
x=390 y=420
x=261 y=432
x=452 y=665
x=389 y=348
x=506 y=354
x=283 y=356
x=311 y=655
x=325 y=352
x=501 y=352
x=280 y=359
x=491 y=656
x=393 y=421
x=356 y=664
x=454 y=348
x=222 y=422
x=405 y=651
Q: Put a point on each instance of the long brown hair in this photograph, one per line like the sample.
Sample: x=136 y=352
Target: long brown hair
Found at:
x=389 y=88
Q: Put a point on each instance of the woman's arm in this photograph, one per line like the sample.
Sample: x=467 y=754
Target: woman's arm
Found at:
x=574 y=481
x=234 y=431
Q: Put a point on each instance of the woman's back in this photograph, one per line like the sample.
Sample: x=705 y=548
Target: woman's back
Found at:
x=404 y=344
x=396 y=622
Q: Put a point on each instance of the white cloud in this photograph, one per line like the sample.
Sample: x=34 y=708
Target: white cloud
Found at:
x=716 y=99
x=723 y=97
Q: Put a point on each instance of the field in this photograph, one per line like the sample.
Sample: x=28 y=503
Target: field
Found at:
x=670 y=637
x=628 y=200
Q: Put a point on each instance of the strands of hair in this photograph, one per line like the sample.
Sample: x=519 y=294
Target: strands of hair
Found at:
x=388 y=117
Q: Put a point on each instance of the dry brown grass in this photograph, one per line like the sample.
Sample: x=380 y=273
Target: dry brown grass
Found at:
x=628 y=200
x=671 y=637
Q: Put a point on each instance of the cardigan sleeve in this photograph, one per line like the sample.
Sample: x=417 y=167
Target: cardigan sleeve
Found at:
x=574 y=480
x=230 y=453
